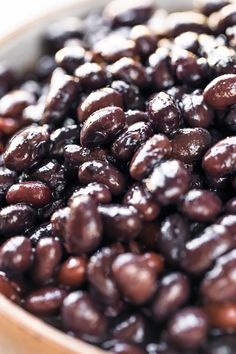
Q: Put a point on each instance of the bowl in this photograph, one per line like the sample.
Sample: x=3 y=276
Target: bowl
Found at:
x=22 y=333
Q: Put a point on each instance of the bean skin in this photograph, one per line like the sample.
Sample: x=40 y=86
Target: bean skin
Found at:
x=16 y=255
x=15 y=219
x=201 y=205
x=221 y=92
x=180 y=22
x=72 y=272
x=135 y=277
x=173 y=292
x=188 y=328
x=7 y=289
x=36 y=194
x=138 y=197
x=165 y=186
x=135 y=116
x=133 y=328
x=97 y=100
x=7 y=179
x=100 y=192
x=230 y=206
x=75 y=155
x=223 y=18
x=58 y=222
x=202 y=251
x=41 y=231
x=145 y=158
x=125 y=144
x=45 y=301
x=160 y=70
x=222 y=316
x=69 y=58
x=102 y=126
x=190 y=144
x=164 y=114
x=210 y=6
x=125 y=348
x=102 y=172
x=92 y=76
x=83 y=229
x=220 y=159
x=48 y=253
x=218 y=284
x=26 y=148
x=120 y=222
x=80 y=315
x=13 y=104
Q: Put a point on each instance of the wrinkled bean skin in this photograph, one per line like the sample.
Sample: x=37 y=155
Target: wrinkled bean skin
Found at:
x=189 y=144
x=125 y=144
x=120 y=222
x=164 y=114
x=201 y=252
x=131 y=329
x=36 y=194
x=220 y=92
x=72 y=272
x=138 y=197
x=102 y=172
x=48 y=253
x=222 y=316
x=26 y=147
x=76 y=155
x=100 y=275
x=97 y=100
x=135 y=277
x=201 y=205
x=15 y=219
x=174 y=233
x=219 y=283
x=173 y=291
x=80 y=315
x=83 y=229
x=195 y=110
x=145 y=158
x=220 y=159
x=62 y=92
x=16 y=255
x=102 y=126
x=188 y=328
x=168 y=181
x=45 y=301
x=100 y=192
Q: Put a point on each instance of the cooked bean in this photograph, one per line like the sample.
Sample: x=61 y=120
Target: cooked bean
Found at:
x=164 y=114
x=100 y=192
x=131 y=96
x=13 y=103
x=188 y=328
x=133 y=328
x=162 y=77
x=48 y=253
x=102 y=126
x=7 y=289
x=36 y=194
x=16 y=255
x=80 y=315
x=120 y=222
x=168 y=181
x=222 y=316
x=69 y=58
x=102 y=172
x=58 y=222
x=221 y=92
x=223 y=18
x=220 y=159
x=135 y=116
x=144 y=39
x=126 y=143
x=41 y=231
x=92 y=76
x=15 y=219
x=97 y=100
x=26 y=148
x=230 y=206
x=125 y=348
x=63 y=136
x=180 y=22
x=72 y=272
x=76 y=155
x=209 y=6
x=149 y=154
x=83 y=229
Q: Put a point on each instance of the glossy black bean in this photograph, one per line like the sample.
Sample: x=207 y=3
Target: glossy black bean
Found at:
x=15 y=219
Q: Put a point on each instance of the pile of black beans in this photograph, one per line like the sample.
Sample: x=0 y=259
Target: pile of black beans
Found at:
x=118 y=179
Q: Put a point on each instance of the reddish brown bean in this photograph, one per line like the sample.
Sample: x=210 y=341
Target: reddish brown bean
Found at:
x=7 y=289
x=48 y=253
x=75 y=155
x=92 y=76
x=120 y=222
x=222 y=316
x=168 y=181
x=16 y=255
x=45 y=301
x=135 y=277
x=100 y=192
x=58 y=222
x=102 y=172
x=129 y=70
x=13 y=103
x=125 y=144
x=220 y=159
x=72 y=272
x=149 y=154
x=144 y=40
x=134 y=116
x=138 y=197
x=132 y=328
x=97 y=100
x=126 y=348
x=15 y=219
x=221 y=92
x=102 y=126
x=83 y=229
x=160 y=70
x=201 y=205
x=36 y=194
x=164 y=114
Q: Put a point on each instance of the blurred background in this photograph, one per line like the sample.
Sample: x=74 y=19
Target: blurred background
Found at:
x=14 y=13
